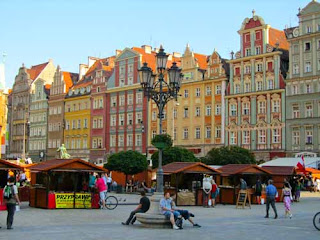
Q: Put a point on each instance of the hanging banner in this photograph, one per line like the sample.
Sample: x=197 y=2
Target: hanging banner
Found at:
x=66 y=200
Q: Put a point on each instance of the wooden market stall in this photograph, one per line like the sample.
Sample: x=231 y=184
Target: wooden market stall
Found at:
x=61 y=183
x=230 y=181
x=184 y=179
x=7 y=167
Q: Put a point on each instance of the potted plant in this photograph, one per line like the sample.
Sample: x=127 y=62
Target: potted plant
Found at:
x=162 y=141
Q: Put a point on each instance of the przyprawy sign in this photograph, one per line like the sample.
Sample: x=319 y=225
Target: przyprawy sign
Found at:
x=66 y=200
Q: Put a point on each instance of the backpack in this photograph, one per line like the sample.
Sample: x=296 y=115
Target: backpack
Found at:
x=179 y=222
x=8 y=192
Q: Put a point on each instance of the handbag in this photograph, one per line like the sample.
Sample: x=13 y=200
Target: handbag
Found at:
x=209 y=202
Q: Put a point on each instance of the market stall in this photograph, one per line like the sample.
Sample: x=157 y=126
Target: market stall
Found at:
x=184 y=180
x=7 y=168
x=62 y=183
x=230 y=181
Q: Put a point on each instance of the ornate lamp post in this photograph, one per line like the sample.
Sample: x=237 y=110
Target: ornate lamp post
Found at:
x=155 y=87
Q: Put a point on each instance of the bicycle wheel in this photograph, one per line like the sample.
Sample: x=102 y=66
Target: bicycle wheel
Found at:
x=111 y=202
x=316 y=221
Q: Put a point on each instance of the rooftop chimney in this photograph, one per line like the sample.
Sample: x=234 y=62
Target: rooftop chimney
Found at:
x=147 y=48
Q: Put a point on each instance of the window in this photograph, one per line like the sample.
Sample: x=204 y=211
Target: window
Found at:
x=218 y=89
x=276 y=135
x=67 y=125
x=294 y=89
x=247 y=69
x=259 y=67
x=197 y=133
x=261 y=107
x=247 y=87
x=94 y=124
x=186 y=93
x=113 y=120
x=258 y=50
x=94 y=143
x=309 y=29
x=295 y=136
x=175 y=113
x=208 y=110
x=121 y=119
x=186 y=113
x=309 y=110
x=247 y=37
x=130 y=80
x=185 y=133
x=154 y=133
x=138 y=117
x=130 y=99
x=308 y=67
x=295 y=111
x=98 y=89
x=307 y=46
x=237 y=88
x=245 y=108
x=120 y=141
x=259 y=85
x=295 y=48
x=262 y=136
x=129 y=118
x=73 y=124
x=248 y=52
x=246 y=137
x=112 y=141
x=218 y=131
x=258 y=35
x=197 y=92
x=129 y=140
x=138 y=140
x=270 y=84
x=154 y=116
x=218 y=109
x=309 y=135
x=113 y=101
x=208 y=132
x=122 y=100
x=308 y=88
x=233 y=110
x=208 y=90
x=295 y=68
x=233 y=138
x=85 y=143
x=175 y=134
x=79 y=124
x=197 y=111
x=139 y=98
x=276 y=106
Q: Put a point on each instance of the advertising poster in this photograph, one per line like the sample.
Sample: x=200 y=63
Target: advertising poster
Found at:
x=66 y=200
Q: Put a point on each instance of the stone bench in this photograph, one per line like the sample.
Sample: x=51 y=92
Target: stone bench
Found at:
x=153 y=220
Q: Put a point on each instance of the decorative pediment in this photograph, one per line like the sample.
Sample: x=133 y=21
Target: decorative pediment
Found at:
x=127 y=53
x=275 y=96
x=245 y=99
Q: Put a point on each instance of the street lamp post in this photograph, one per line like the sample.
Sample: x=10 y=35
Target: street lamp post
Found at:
x=161 y=92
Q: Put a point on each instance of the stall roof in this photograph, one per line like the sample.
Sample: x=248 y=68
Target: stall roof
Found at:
x=189 y=167
x=293 y=161
x=5 y=165
x=280 y=170
x=66 y=165
x=233 y=169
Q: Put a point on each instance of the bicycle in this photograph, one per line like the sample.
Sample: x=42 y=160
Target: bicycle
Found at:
x=316 y=221
x=111 y=201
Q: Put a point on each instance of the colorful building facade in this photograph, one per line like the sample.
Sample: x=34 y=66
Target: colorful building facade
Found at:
x=303 y=84
x=255 y=101
x=63 y=81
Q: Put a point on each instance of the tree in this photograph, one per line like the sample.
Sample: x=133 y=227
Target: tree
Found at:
x=173 y=154
x=229 y=155
x=129 y=162
x=164 y=139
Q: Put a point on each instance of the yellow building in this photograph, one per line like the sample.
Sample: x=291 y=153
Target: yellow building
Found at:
x=3 y=120
x=77 y=120
x=195 y=120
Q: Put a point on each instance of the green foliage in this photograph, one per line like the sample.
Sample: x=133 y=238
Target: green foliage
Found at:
x=229 y=155
x=129 y=162
x=173 y=154
x=162 y=138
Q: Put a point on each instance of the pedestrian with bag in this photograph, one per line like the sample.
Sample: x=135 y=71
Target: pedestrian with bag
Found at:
x=10 y=195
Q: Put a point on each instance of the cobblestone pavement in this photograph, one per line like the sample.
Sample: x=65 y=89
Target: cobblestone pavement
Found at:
x=223 y=222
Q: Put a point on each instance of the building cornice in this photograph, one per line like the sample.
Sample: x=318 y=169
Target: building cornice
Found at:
x=254 y=57
x=255 y=93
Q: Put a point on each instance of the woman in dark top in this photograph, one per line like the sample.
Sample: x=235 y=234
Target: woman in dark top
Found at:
x=258 y=191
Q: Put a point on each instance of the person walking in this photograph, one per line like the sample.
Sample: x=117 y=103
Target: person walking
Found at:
x=298 y=189
x=287 y=197
x=102 y=188
x=109 y=181
x=10 y=193
x=258 y=190
x=271 y=192
x=143 y=207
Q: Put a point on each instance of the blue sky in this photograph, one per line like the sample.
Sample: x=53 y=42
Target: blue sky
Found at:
x=68 y=31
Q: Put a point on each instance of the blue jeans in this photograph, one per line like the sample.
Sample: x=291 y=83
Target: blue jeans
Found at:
x=176 y=214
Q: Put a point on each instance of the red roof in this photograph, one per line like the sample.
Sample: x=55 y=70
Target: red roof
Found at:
x=67 y=77
x=177 y=167
x=278 y=37
x=233 y=169
x=35 y=71
x=280 y=170
x=201 y=60
x=149 y=58
x=58 y=164
x=8 y=165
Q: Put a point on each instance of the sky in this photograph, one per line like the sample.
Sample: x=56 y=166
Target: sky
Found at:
x=68 y=31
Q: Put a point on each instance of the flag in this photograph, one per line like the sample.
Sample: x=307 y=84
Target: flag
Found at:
x=301 y=165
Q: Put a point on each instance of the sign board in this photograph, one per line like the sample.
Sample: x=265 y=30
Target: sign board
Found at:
x=66 y=200
x=305 y=154
x=243 y=196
